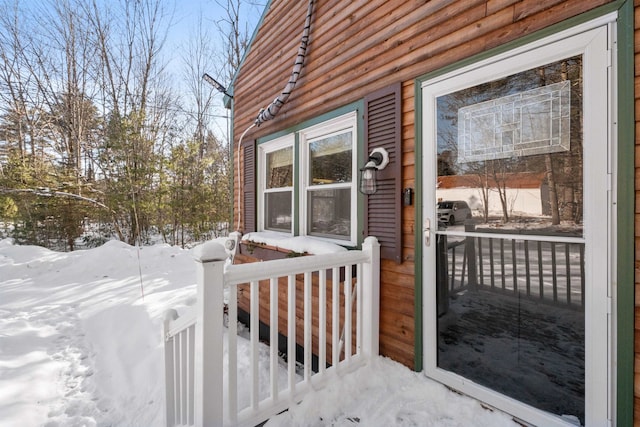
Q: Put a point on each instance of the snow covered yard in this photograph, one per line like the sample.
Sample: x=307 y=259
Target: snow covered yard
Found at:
x=80 y=346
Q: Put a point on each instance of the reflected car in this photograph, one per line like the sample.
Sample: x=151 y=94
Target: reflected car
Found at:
x=453 y=211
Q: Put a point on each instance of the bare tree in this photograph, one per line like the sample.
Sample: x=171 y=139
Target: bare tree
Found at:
x=478 y=177
x=236 y=36
x=199 y=58
x=44 y=70
x=128 y=40
x=23 y=106
x=89 y=117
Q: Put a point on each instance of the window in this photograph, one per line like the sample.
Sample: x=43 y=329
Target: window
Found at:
x=276 y=180
x=328 y=187
x=326 y=183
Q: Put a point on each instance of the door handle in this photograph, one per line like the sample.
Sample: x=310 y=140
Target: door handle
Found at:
x=427 y=232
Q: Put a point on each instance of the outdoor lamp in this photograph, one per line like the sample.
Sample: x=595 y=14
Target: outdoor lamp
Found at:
x=378 y=160
x=216 y=84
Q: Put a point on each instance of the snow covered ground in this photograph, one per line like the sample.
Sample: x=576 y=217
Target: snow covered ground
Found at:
x=81 y=345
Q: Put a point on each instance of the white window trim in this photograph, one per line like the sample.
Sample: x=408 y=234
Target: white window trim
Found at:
x=588 y=40
x=263 y=150
x=329 y=127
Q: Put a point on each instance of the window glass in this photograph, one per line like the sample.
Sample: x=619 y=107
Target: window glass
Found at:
x=511 y=296
x=330 y=213
x=512 y=149
x=278 y=211
x=276 y=172
x=280 y=168
x=330 y=159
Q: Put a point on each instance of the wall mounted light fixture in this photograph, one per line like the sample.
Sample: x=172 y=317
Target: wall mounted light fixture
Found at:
x=216 y=84
x=378 y=160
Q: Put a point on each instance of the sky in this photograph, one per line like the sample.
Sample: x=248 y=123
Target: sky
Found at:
x=182 y=18
x=187 y=15
x=186 y=18
x=81 y=345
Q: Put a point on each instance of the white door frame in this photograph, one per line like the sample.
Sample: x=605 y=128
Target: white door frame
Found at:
x=595 y=41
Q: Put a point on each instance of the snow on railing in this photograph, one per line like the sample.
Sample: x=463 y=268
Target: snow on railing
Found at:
x=202 y=358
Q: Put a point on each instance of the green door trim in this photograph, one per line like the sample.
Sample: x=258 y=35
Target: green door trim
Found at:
x=626 y=199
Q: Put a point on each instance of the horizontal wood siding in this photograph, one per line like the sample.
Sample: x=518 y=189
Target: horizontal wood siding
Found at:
x=408 y=174
x=636 y=397
x=359 y=47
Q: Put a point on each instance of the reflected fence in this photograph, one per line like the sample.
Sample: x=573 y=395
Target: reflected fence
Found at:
x=546 y=269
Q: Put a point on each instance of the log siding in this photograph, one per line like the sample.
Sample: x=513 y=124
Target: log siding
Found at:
x=636 y=382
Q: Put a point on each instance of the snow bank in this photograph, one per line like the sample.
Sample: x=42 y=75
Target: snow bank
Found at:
x=81 y=341
x=385 y=393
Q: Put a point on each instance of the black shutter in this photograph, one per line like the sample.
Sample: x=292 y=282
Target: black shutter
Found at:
x=383 y=210
x=248 y=192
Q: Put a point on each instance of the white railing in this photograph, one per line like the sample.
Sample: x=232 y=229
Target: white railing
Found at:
x=202 y=358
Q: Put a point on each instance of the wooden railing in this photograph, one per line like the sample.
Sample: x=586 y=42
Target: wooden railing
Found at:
x=202 y=357
x=547 y=269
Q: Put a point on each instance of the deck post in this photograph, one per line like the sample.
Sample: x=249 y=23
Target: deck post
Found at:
x=371 y=297
x=169 y=368
x=442 y=274
x=208 y=369
x=470 y=252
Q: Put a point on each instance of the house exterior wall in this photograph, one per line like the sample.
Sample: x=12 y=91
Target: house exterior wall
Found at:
x=636 y=405
x=354 y=57
x=349 y=57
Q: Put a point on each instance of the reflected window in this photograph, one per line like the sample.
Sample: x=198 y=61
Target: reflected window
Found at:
x=534 y=121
